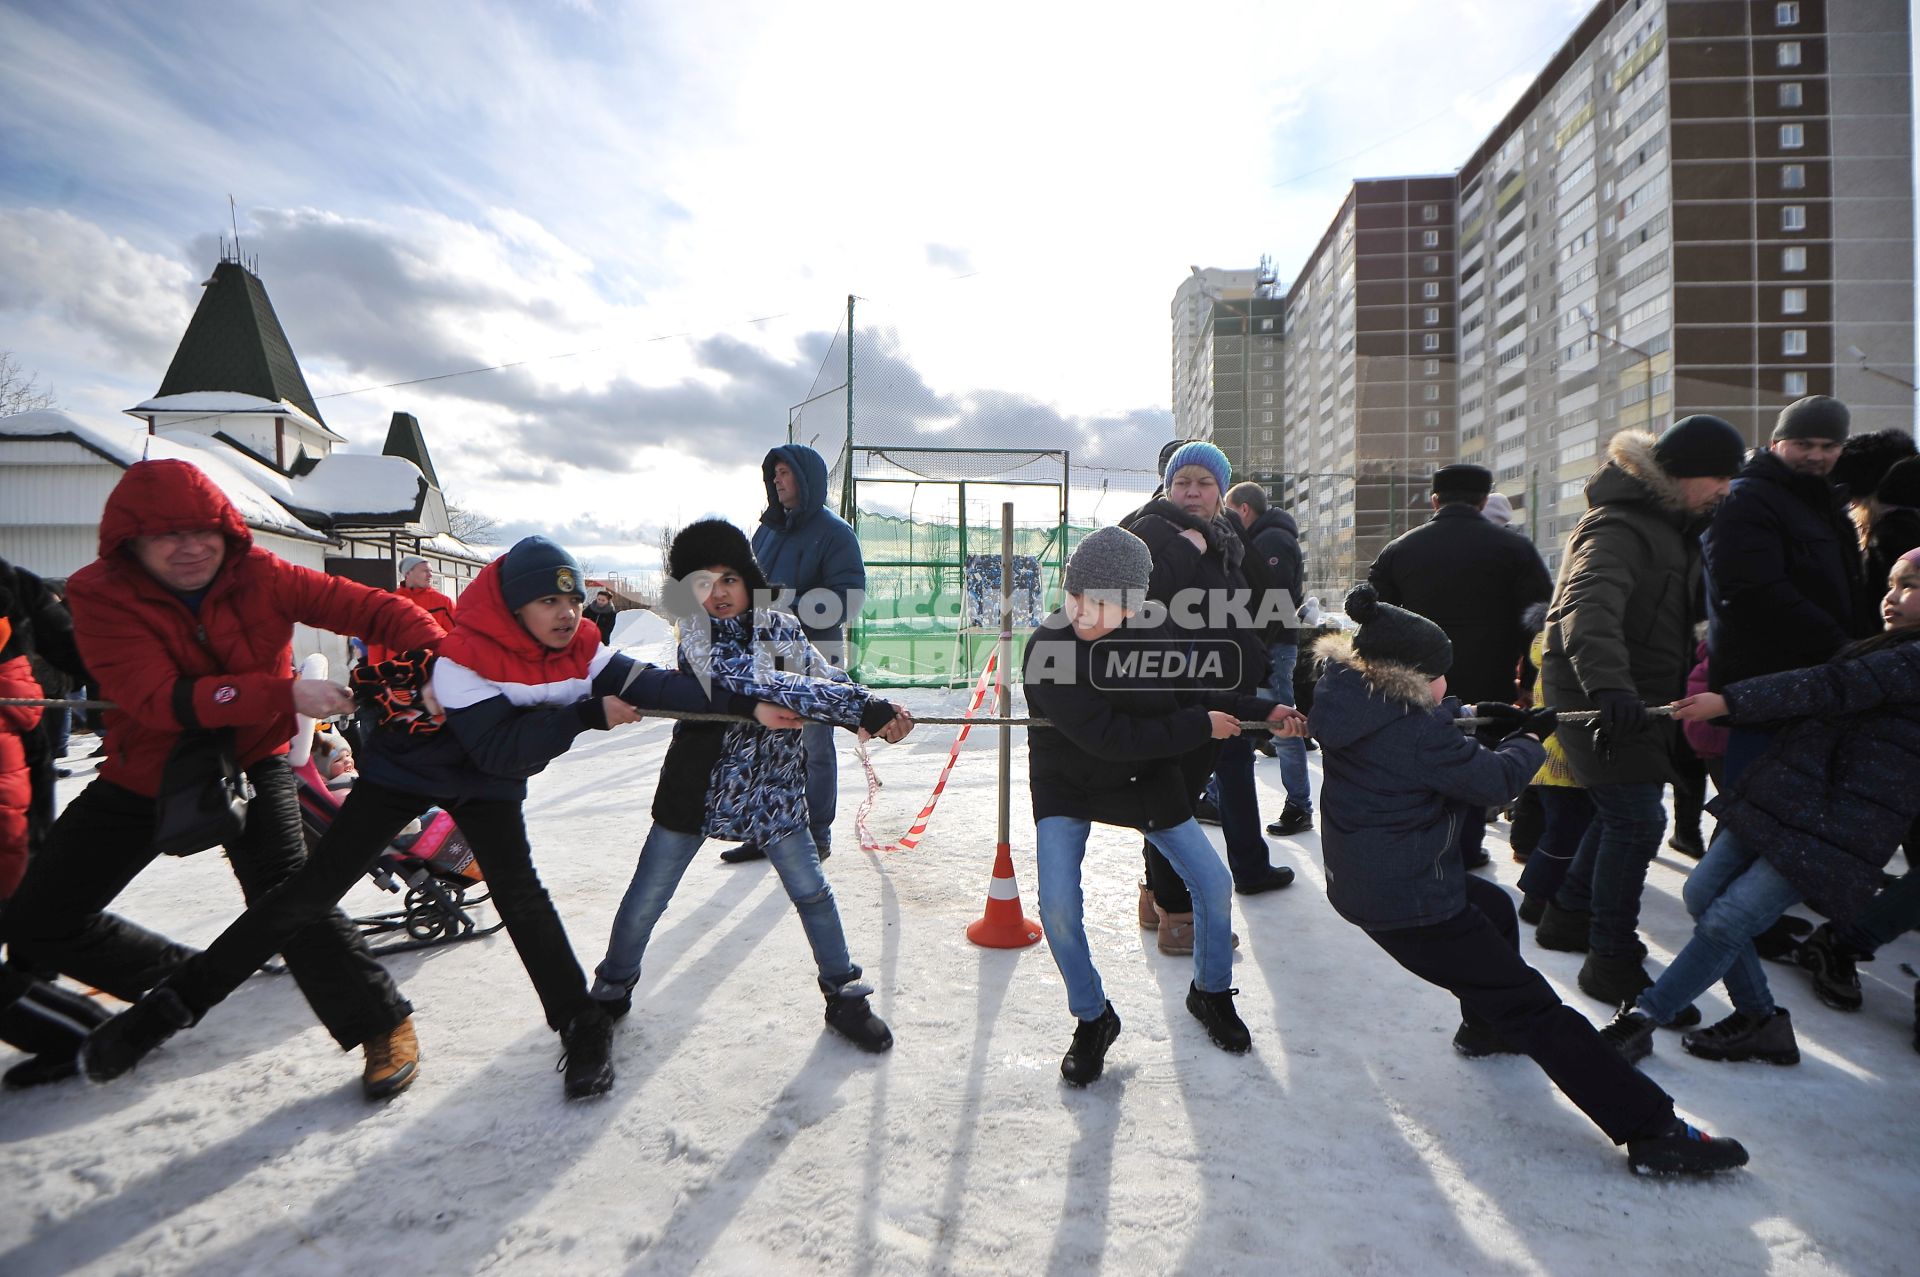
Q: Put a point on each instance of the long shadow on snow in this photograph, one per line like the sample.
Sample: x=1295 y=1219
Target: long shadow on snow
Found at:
x=996 y=973
x=1080 y=1242
x=885 y=977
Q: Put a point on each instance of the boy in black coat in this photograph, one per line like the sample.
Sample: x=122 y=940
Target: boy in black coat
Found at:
x=1119 y=727
x=1399 y=776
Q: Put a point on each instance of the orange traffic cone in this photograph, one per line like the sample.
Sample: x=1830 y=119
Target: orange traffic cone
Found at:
x=1003 y=926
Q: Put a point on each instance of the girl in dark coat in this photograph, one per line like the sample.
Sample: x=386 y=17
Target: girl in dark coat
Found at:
x=1118 y=731
x=1814 y=818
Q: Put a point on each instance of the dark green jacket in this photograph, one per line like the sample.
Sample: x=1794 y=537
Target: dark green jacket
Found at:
x=1623 y=612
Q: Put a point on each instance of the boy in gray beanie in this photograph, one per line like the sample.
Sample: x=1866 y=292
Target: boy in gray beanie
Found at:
x=1118 y=696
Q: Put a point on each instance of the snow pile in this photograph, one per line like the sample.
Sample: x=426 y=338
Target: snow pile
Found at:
x=741 y=1138
x=648 y=636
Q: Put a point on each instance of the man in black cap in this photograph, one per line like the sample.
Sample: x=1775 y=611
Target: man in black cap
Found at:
x=1620 y=638
x=1475 y=581
x=1784 y=587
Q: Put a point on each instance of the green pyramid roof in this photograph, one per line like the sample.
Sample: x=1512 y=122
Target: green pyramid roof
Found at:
x=405 y=440
x=235 y=343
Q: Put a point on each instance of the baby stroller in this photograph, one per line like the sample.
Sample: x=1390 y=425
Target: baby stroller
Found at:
x=433 y=870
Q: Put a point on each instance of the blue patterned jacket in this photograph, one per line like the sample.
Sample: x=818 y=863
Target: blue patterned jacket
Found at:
x=741 y=781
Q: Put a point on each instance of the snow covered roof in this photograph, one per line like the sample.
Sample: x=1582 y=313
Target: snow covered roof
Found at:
x=453 y=547
x=237 y=476
x=220 y=403
x=359 y=487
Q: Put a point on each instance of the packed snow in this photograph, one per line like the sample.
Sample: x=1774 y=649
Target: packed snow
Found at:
x=741 y=1137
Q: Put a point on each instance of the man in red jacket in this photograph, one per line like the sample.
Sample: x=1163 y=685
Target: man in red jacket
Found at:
x=185 y=623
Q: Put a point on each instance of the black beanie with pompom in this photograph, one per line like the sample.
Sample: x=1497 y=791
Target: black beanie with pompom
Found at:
x=1393 y=634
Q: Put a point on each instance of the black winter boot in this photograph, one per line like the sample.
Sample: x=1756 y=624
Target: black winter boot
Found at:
x=126 y=1039
x=1293 y=820
x=1631 y=1034
x=587 y=1058
x=1744 y=1037
x=849 y=1015
x=1532 y=909
x=1679 y=1149
x=1477 y=1041
x=1614 y=978
x=39 y=1070
x=1215 y=1011
x=1835 y=980
x=1088 y=1055
x=1563 y=929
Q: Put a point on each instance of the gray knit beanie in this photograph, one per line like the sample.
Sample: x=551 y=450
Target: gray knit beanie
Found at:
x=1111 y=563
x=1814 y=417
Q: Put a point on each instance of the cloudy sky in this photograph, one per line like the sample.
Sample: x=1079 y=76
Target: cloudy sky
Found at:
x=655 y=212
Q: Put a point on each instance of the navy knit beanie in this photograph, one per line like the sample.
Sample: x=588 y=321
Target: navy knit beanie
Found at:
x=1393 y=634
x=535 y=568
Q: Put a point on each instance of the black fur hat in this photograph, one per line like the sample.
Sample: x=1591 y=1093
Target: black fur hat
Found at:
x=1865 y=460
x=709 y=543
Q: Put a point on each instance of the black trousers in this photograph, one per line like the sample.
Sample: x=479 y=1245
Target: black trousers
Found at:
x=1475 y=955
x=369 y=819
x=57 y=921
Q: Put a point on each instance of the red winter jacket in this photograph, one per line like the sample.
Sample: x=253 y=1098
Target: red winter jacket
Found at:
x=168 y=668
x=16 y=786
x=429 y=600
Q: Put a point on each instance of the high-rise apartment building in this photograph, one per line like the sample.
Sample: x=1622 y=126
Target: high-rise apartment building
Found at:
x=1697 y=206
x=1226 y=365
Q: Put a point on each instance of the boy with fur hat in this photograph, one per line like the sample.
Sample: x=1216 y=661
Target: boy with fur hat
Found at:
x=1400 y=776
x=510 y=690
x=1119 y=730
x=740 y=781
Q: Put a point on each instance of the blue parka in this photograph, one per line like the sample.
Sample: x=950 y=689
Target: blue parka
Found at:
x=810 y=549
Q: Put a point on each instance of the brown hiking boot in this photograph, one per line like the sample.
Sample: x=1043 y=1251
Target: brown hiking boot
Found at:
x=1149 y=912
x=393 y=1062
x=1176 y=933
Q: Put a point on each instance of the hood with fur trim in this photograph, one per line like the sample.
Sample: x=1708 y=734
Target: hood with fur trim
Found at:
x=1632 y=476
x=1384 y=692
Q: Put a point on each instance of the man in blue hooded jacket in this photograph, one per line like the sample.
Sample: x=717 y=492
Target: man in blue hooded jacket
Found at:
x=805 y=547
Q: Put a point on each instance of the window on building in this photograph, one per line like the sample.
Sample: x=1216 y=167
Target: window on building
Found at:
x=1432 y=393
x=1432 y=444
x=1793 y=259
x=1429 y=265
x=1793 y=301
x=1429 y=291
x=1266 y=418
x=1431 y=418
x=1431 y=368
x=1430 y=341
x=1431 y=315
x=1793 y=341
x=1793 y=177
x=1794 y=383
x=1792 y=136
x=1793 y=217
x=1788 y=53
x=1429 y=239
x=1429 y=212
x=1266 y=325
x=1791 y=93
x=1786 y=15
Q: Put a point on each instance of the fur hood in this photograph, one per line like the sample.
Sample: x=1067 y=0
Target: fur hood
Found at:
x=1633 y=475
x=1390 y=681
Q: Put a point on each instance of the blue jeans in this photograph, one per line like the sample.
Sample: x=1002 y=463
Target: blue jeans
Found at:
x=1609 y=871
x=823 y=782
x=1566 y=814
x=664 y=860
x=1060 y=846
x=1292 y=752
x=1733 y=895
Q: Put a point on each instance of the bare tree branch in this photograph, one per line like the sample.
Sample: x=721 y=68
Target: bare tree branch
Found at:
x=20 y=391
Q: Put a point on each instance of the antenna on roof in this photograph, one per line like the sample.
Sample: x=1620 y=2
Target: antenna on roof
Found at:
x=234 y=216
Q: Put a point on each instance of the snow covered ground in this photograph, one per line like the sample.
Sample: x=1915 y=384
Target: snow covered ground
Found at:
x=741 y=1138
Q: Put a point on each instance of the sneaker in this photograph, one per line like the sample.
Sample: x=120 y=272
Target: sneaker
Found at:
x=1679 y=1149
x=1084 y=1060
x=1477 y=1041
x=1614 y=978
x=1532 y=909
x=393 y=1062
x=41 y=1069
x=849 y=1015
x=1293 y=820
x=1477 y=858
x=1778 y=942
x=615 y=1007
x=1745 y=1037
x=820 y=849
x=587 y=1054
x=1565 y=930
x=1176 y=933
x=1836 y=981
x=122 y=1042
x=1631 y=1034
x=1687 y=843
x=1223 y=1024
x=1205 y=811
x=1272 y=878
x=743 y=853
x=1149 y=912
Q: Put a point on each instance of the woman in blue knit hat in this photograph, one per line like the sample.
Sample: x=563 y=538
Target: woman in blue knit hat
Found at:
x=1198 y=564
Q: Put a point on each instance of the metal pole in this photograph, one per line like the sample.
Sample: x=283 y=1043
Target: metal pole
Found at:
x=1004 y=664
x=846 y=487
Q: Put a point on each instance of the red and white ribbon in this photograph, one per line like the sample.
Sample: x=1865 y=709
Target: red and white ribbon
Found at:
x=911 y=839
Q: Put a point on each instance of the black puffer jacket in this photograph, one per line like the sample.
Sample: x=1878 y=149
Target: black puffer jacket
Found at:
x=1273 y=544
x=1400 y=776
x=1839 y=786
x=1783 y=574
x=1118 y=748
x=1196 y=584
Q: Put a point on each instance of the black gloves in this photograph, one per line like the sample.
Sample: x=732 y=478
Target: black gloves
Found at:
x=1502 y=720
x=1621 y=713
x=1541 y=722
x=394 y=690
